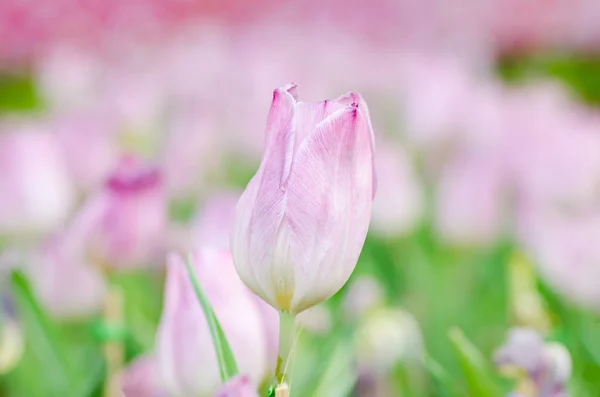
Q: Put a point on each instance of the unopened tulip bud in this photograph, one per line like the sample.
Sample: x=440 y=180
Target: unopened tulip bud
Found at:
x=128 y=218
x=186 y=356
x=66 y=284
x=142 y=379
x=387 y=337
x=37 y=192
x=303 y=218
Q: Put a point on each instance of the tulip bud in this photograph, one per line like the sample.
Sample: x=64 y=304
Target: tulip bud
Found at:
x=398 y=204
x=126 y=223
x=142 y=379
x=303 y=218
x=239 y=386
x=386 y=337
x=186 y=356
x=37 y=193
x=66 y=284
x=215 y=221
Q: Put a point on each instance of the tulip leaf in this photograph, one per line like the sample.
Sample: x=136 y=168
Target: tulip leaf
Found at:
x=474 y=366
x=227 y=364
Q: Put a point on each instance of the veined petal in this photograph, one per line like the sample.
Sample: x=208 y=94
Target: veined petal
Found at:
x=329 y=204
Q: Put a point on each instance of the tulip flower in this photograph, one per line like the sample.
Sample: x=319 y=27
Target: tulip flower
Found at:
x=547 y=366
x=398 y=204
x=303 y=218
x=66 y=284
x=186 y=356
x=125 y=224
x=37 y=192
x=142 y=379
x=214 y=223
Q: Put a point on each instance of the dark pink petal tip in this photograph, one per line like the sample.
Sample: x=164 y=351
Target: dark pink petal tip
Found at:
x=132 y=176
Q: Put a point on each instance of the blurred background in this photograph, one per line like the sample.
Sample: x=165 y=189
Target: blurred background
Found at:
x=152 y=112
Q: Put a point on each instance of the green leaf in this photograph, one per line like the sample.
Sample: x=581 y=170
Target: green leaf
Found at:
x=443 y=384
x=340 y=376
x=474 y=366
x=227 y=364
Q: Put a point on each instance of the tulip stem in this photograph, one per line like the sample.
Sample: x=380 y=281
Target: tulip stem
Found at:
x=287 y=334
x=114 y=352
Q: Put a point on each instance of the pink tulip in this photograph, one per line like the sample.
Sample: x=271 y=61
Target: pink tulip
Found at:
x=186 y=357
x=302 y=220
x=472 y=200
x=125 y=224
x=89 y=139
x=566 y=249
x=66 y=284
x=215 y=220
x=37 y=193
x=142 y=379
x=397 y=207
x=239 y=386
x=213 y=228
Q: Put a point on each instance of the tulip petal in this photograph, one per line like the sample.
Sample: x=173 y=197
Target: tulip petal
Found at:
x=328 y=226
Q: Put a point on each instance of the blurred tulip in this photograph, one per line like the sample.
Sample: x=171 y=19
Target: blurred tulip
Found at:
x=387 y=337
x=142 y=379
x=240 y=386
x=186 y=357
x=547 y=365
x=302 y=220
x=316 y=320
x=37 y=193
x=191 y=149
x=565 y=247
x=215 y=221
x=69 y=77
x=89 y=139
x=364 y=294
x=270 y=319
x=398 y=204
x=472 y=200
x=126 y=222
x=553 y=147
x=66 y=284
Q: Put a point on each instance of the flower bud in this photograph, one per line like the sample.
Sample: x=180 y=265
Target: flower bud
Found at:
x=387 y=337
x=186 y=356
x=126 y=222
x=37 y=193
x=141 y=379
x=66 y=284
x=303 y=218
x=398 y=204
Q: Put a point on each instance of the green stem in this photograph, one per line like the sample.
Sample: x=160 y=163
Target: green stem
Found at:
x=287 y=334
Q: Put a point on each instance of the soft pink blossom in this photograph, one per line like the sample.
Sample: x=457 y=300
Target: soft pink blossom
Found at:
x=185 y=351
x=142 y=379
x=398 y=204
x=472 y=200
x=37 y=191
x=64 y=280
x=125 y=223
x=303 y=218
